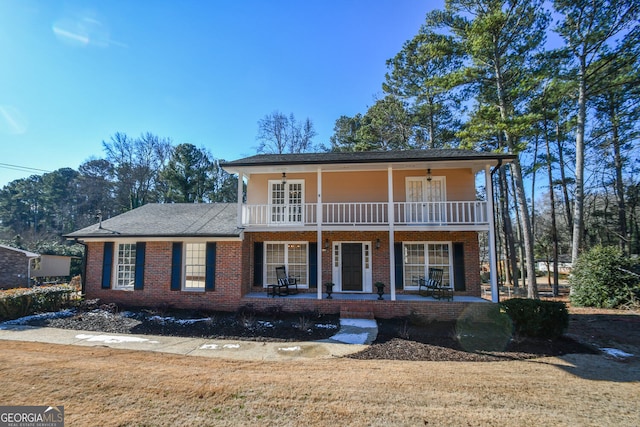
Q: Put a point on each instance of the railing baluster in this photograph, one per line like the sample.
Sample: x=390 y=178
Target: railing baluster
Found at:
x=368 y=213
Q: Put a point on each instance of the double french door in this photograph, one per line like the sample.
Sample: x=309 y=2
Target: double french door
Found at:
x=425 y=199
x=286 y=201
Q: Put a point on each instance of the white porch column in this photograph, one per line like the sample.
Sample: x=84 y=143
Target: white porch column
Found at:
x=392 y=258
x=319 y=232
x=240 y=187
x=493 y=264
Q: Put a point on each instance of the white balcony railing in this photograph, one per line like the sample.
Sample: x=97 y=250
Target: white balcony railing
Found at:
x=368 y=213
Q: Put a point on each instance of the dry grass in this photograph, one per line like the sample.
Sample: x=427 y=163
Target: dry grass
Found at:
x=108 y=387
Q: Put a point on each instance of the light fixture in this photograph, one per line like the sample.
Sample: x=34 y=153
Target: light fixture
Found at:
x=377 y=243
x=284 y=178
x=429 y=174
x=326 y=244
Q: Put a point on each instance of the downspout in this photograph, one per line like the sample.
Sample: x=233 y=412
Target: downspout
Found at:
x=493 y=254
x=83 y=274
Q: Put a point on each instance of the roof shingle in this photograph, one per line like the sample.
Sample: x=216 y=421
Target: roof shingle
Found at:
x=169 y=220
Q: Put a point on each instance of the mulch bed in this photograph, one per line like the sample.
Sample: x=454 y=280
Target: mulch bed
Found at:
x=398 y=339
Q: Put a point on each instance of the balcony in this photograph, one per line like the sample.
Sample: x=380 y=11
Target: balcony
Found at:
x=427 y=214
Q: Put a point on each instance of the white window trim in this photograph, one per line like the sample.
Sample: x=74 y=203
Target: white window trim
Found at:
x=301 y=284
x=114 y=271
x=427 y=264
x=184 y=267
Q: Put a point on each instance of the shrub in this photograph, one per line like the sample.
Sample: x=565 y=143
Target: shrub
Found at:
x=602 y=278
x=535 y=318
x=15 y=303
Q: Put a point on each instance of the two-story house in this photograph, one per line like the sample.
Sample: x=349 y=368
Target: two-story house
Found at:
x=351 y=219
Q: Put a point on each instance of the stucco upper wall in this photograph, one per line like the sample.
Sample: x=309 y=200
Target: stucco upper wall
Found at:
x=363 y=186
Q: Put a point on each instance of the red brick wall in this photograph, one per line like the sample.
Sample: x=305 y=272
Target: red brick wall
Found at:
x=235 y=267
x=427 y=309
x=13 y=269
x=157 y=280
x=381 y=256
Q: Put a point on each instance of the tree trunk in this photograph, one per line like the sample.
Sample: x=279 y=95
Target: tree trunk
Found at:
x=509 y=241
x=521 y=197
x=578 y=210
x=563 y=177
x=619 y=185
x=554 y=229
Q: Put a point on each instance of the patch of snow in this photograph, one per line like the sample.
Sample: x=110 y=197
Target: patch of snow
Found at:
x=34 y=317
x=351 y=338
x=295 y=348
x=170 y=319
x=231 y=346
x=217 y=346
x=326 y=326
x=209 y=347
x=265 y=324
x=112 y=339
x=614 y=352
x=359 y=323
x=191 y=321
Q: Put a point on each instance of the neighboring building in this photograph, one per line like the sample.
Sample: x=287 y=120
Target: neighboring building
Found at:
x=353 y=219
x=547 y=266
x=15 y=267
x=51 y=267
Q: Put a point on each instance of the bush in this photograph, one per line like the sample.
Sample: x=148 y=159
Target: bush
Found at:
x=601 y=278
x=535 y=318
x=15 y=303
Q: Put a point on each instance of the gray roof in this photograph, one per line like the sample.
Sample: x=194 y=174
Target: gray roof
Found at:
x=367 y=157
x=169 y=220
x=27 y=254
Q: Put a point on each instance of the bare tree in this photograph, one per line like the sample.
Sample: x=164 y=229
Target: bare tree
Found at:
x=278 y=134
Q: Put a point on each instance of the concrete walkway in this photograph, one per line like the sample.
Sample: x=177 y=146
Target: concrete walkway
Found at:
x=354 y=335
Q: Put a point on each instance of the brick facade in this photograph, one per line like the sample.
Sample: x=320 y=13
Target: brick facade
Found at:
x=381 y=256
x=157 y=292
x=235 y=276
x=14 y=269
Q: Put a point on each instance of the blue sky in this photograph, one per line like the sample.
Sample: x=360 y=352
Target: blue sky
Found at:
x=200 y=72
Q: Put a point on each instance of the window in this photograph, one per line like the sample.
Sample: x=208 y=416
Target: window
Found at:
x=125 y=266
x=195 y=266
x=286 y=201
x=293 y=255
x=418 y=257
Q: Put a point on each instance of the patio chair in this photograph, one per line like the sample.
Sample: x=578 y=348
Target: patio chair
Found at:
x=432 y=284
x=287 y=285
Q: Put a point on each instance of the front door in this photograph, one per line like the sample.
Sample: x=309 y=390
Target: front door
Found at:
x=352 y=267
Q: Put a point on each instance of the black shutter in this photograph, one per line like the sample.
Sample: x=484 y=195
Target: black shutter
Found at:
x=458 y=267
x=210 y=275
x=176 y=266
x=107 y=265
x=138 y=283
x=313 y=265
x=258 y=260
x=397 y=256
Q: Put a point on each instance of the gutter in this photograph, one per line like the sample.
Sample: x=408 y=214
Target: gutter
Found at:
x=83 y=274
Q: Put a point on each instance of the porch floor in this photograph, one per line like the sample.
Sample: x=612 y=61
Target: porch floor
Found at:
x=366 y=297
